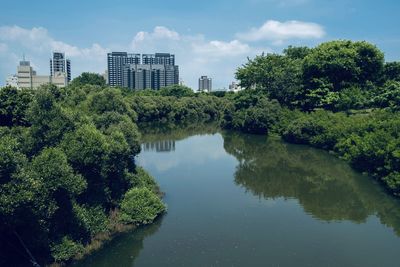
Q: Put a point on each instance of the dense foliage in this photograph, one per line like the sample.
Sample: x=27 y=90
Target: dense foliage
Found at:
x=140 y=205
x=251 y=112
x=334 y=76
x=68 y=153
x=152 y=108
x=66 y=167
x=371 y=142
x=90 y=79
x=337 y=75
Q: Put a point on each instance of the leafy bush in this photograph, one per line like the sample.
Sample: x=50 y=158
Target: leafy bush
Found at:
x=142 y=179
x=92 y=219
x=140 y=206
x=65 y=250
x=251 y=113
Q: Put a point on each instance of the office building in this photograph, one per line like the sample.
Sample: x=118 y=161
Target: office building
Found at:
x=24 y=74
x=60 y=66
x=205 y=84
x=151 y=71
x=27 y=77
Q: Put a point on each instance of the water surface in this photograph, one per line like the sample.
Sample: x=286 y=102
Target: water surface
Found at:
x=246 y=200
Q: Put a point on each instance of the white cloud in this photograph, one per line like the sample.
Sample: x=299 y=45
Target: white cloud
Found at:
x=3 y=47
x=159 y=33
x=220 y=48
x=38 y=39
x=37 y=44
x=278 y=32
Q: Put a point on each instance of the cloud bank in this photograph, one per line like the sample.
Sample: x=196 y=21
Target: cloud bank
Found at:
x=276 y=31
x=195 y=54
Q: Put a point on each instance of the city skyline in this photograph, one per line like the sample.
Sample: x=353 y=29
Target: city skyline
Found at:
x=216 y=45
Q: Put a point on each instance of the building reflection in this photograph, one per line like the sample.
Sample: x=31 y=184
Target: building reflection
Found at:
x=159 y=146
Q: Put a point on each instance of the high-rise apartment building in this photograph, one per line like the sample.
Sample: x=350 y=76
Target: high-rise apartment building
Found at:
x=60 y=65
x=205 y=84
x=149 y=71
x=116 y=62
x=158 y=58
x=150 y=76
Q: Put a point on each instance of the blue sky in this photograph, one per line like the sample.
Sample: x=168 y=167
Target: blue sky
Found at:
x=208 y=37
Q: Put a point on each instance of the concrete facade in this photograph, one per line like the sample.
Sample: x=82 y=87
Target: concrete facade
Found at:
x=59 y=64
x=149 y=71
x=205 y=84
x=27 y=77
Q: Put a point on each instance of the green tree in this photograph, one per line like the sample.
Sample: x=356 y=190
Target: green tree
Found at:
x=109 y=100
x=294 y=52
x=389 y=96
x=49 y=121
x=87 y=78
x=140 y=206
x=277 y=75
x=391 y=71
x=343 y=63
x=176 y=90
x=14 y=104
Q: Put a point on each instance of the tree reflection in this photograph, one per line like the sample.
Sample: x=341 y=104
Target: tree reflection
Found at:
x=123 y=250
x=326 y=187
x=154 y=133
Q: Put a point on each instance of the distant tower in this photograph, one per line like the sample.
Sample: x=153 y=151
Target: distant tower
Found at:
x=60 y=65
x=24 y=74
x=139 y=72
x=205 y=84
x=116 y=62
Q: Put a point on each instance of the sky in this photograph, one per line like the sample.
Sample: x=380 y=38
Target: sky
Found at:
x=210 y=38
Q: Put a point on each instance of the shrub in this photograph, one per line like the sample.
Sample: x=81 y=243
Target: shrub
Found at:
x=66 y=249
x=140 y=206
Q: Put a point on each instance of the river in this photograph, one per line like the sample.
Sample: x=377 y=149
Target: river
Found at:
x=245 y=200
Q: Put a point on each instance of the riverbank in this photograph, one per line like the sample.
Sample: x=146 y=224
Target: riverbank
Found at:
x=115 y=226
x=238 y=199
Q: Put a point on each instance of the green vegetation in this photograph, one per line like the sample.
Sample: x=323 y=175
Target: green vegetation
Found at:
x=68 y=153
x=155 y=108
x=140 y=205
x=68 y=179
x=90 y=79
x=340 y=96
x=351 y=99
